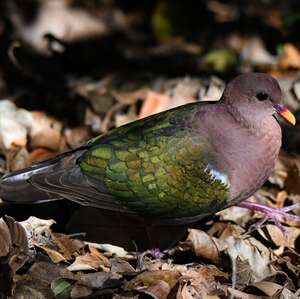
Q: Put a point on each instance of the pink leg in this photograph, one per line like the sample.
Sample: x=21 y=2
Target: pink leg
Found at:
x=275 y=214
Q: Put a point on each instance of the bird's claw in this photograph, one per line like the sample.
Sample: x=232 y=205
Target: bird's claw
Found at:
x=274 y=214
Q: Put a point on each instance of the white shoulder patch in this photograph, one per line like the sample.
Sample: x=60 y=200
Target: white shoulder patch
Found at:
x=217 y=175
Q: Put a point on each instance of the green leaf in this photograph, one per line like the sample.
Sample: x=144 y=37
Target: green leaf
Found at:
x=60 y=285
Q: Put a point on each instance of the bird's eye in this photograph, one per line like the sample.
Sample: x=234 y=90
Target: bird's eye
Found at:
x=262 y=96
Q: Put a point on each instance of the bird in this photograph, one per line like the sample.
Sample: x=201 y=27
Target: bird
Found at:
x=174 y=167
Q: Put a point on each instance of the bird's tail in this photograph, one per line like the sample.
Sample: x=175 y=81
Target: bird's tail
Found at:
x=18 y=187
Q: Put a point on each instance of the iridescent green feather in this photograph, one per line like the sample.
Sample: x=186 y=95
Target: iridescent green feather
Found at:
x=157 y=166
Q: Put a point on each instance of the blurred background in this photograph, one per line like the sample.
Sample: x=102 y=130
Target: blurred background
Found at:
x=73 y=69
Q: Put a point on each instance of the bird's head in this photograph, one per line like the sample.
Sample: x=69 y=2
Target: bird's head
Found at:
x=256 y=94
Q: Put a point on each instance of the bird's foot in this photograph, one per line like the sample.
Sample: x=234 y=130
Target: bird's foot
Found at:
x=275 y=214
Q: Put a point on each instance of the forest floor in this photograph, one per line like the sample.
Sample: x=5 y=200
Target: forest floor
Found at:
x=73 y=69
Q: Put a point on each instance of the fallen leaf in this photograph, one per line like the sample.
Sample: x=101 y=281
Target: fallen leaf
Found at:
x=148 y=278
x=17 y=158
x=242 y=295
x=100 y=280
x=85 y=262
x=119 y=265
x=67 y=246
x=187 y=292
x=202 y=245
x=79 y=291
x=45 y=131
x=37 y=230
x=268 y=287
x=154 y=103
x=104 y=260
x=158 y=290
x=5 y=239
x=54 y=255
x=61 y=286
x=14 y=125
x=40 y=154
x=118 y=251
x=290 y=57
x=254 y=52
x=279 y=239
x=77 y=136
x=220 y=60
x=251 y=251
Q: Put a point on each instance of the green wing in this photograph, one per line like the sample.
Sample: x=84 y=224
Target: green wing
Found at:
x=157 y=166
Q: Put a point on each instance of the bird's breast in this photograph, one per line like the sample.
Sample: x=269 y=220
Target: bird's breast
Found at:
x=253 y=163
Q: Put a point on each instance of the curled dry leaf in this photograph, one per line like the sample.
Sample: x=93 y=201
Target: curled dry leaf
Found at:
x=255 y=53
x=151 y=278
x=118 y=265
x=202 y=245
x=223 y=230
x=40 y=154
x=86 y=262
x=5 y=239
x=274 y=234
x=45 y=131
x=67 y=247
x=13 y=242
x=251 y=251
x=116 y=250
x=242 y=295
x=158 y=290
x=240 y=216
x=54 y=255
x=77 y=136
x=100 y=280
x=37 y=230
x=17 y=158
x=268 y=287
x=14 y=125
x=80 y=291
x=154 y=103
x=210 y=273
x=290 y=57
x=100 y=256
x=45 y=273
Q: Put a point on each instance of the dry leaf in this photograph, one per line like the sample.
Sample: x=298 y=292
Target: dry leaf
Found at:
x=148 y=278
x=236 y=214
x=279 y=239
x=5 y=239
x=54 y=255
x=290 y=57
x=68 y=247
x=224 y=230
x=251 y=251
x=40 y=154
x=158 y=290
x=100 y=280
x=242 y=295
x=85 y=262
x=79 y=291
x=45 y=131
x=17 y=158
x=37 y=230
x=14 y=125
x=104 y=260
x=154 y=103
x=202 y=245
